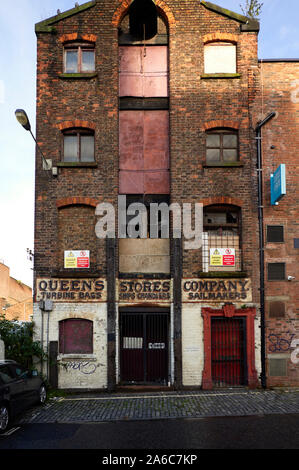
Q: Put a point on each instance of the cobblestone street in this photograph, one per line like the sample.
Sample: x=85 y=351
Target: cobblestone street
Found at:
x=163 y=405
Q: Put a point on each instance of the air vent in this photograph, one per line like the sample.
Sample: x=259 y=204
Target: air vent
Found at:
x=277 y=367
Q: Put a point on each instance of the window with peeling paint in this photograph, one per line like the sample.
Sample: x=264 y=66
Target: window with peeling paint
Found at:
x=76 y=336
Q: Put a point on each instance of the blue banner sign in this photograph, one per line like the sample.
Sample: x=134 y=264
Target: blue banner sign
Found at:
x=278 y=184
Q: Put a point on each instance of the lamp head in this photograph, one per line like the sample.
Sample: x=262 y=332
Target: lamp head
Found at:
x=23 y=119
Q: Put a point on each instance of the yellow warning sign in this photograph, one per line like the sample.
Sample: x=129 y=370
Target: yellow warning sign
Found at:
x=222 y=256
x=76 y=259
x=70 y=260
x=215 y=257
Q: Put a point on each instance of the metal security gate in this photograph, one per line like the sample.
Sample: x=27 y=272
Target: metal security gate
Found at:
x=228 y=343
x=144 y=347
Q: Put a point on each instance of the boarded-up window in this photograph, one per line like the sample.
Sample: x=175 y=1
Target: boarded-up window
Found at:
x=276 y=271
x=75 y=336
x=143 y=71
x=275 y=234
x=276 y=309
x=144 y=152
x=220 y=57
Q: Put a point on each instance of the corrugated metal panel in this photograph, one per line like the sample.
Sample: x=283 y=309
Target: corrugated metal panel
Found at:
x=143 y=71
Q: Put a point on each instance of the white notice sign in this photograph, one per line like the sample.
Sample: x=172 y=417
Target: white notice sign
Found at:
x=76 y=259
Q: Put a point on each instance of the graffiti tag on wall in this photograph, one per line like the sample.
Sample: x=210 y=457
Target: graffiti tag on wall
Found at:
x=280 y=343
x=284 y=343
x=295 y=353
x=86 y=368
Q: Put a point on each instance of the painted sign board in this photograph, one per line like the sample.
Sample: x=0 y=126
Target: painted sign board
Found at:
x=222 y=256
x=71 y=290
x=76 y=259
x=143 y=290
x=278 y=184
x=216 y=290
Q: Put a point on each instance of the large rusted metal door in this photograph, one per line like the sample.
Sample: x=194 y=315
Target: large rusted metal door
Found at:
x=228 y=351
x=144 y=152
x=144 y=347
x=143 y=71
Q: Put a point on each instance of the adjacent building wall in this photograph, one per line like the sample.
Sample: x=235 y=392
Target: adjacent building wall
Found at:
x=280 y=93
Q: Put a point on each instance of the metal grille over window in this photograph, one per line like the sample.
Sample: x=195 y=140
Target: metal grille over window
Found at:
x=221 y=250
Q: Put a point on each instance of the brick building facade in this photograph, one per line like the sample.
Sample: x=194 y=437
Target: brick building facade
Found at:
x=15 y=297
x=157 y=102
x=279 y=92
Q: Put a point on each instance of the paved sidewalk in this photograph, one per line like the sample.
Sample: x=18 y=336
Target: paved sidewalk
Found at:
x=163 y=405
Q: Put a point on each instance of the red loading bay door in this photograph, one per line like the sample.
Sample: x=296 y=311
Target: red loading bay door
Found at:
x=144 y=348
x=228 y=351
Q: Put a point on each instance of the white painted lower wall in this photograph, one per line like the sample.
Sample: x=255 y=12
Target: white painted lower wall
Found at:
x=192 y=344
x=82 y=371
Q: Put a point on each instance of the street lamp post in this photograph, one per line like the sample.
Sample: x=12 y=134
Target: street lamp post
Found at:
x=23 y=119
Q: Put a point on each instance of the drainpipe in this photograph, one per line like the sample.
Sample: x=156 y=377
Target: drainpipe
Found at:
x=258 y=131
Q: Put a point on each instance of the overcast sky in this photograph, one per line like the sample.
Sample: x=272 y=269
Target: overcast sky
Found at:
x=278 y=38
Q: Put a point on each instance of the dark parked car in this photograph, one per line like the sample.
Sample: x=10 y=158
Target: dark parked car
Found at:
x=19 y=389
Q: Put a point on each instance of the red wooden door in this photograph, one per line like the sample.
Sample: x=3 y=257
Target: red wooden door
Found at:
x=228 y=351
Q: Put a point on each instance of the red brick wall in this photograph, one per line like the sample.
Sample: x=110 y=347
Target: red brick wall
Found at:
x=280 y=93
x=195 y=104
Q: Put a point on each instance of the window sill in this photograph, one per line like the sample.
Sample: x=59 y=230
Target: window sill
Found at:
x=66 y=357
x=222 y=274
x=79 y=273
x=220 y=75
x=77 y=165
x=85 y=75
x=122 y=275
x=223 y=165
